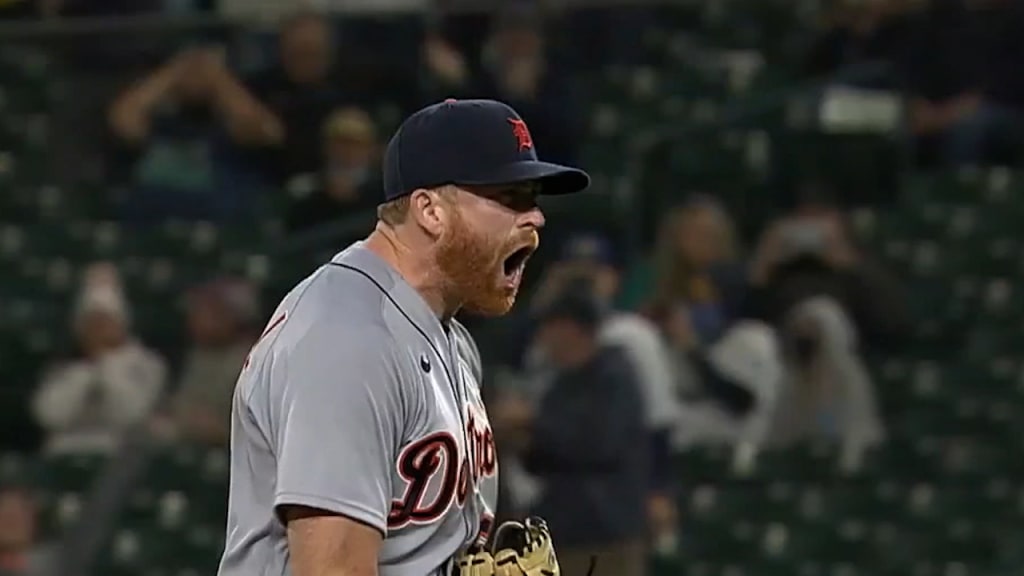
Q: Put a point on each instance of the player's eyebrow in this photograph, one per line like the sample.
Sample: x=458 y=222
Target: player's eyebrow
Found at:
x=520 y=198
x=520 y=189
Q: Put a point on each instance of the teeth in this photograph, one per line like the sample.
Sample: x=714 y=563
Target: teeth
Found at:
x=515 y=273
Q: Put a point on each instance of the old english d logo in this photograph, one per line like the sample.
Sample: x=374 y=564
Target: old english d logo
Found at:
x=522 y=134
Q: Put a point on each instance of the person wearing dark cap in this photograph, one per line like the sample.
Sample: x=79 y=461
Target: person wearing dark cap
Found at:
x=363 y=383
x=590 y=262
x=586 y=443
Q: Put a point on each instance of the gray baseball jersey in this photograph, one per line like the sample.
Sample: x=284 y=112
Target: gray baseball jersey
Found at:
x=358 y=401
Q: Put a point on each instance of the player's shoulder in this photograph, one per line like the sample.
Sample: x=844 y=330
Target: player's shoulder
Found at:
x=466 y=348
x=334 y=307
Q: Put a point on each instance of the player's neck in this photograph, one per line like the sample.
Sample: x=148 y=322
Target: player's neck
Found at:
x=417 y=271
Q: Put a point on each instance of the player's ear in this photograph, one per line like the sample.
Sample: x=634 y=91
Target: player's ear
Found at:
x=429 y=210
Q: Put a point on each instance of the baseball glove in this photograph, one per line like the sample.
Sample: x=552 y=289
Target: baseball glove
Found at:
x=520 y=549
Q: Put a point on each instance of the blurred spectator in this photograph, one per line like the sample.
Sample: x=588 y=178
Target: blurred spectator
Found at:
x=582 y=444
x=517 y=71
x=967 y=100
x=772 y=388
x=811 y=254
x=302 y=89
x=697 y=281
x=444 y=73
x=827 y=392
x=737 y=384
x=88 y=403
x=223 y=319
x=829 y=304
x=20 y=552
x=181 y=125
x=588 y=267
x=349 y=181
x=858 y=34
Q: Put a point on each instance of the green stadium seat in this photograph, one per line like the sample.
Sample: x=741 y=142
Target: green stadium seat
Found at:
x=866 y=503
x=186 y=481
x=740 y=503
x=718 y=542
x=961 y=187
x=61 y=510
x=666 y=566
x=176 y=510
x=185 y=466
x=71 y=472
x=857 y=166
x=797 y=543
x=705 y=464
x=804 y=462
x=13 y=466
x=64 y=483
x=899 y=459
x=159 y=551
x=1009 y=544
x=979 y=456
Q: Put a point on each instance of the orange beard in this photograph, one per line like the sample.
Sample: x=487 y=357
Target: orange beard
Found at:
x=473 y=269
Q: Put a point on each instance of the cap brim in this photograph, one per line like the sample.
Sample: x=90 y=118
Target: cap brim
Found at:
x=554 y=179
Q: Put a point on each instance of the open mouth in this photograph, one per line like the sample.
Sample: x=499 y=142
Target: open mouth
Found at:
x=515 y=262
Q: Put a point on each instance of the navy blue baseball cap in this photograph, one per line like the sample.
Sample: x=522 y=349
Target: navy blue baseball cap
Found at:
x=470 y=142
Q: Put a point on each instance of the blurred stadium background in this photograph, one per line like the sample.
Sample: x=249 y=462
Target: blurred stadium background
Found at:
x=170 y=168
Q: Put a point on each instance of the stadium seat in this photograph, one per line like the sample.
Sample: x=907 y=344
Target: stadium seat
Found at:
x=70 y=472
x=900 y=459
x=717 y=542
x=157 y=551
x=741 y=502
x=868 y=503
x=64 y=483
x=699 y=465
x=801 y=463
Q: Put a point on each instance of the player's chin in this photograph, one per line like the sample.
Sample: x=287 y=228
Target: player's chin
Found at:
x=501 y=296
x=498 y=304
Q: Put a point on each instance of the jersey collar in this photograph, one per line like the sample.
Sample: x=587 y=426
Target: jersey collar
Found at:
x=404 y=296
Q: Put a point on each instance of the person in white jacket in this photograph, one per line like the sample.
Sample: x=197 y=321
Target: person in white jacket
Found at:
x=87 y=404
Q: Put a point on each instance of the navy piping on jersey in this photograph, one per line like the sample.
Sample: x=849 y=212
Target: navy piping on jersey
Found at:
x=453 y=385
x=406 y=316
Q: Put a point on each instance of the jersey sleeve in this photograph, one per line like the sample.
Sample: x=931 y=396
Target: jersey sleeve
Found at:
x=339 y=423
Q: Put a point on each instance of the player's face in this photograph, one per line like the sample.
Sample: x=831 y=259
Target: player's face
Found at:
x=491 y=234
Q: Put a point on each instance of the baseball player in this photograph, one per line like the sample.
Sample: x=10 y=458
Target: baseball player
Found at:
x=359 y=442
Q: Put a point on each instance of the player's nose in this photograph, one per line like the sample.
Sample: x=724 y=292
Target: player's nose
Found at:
x=534 y=218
